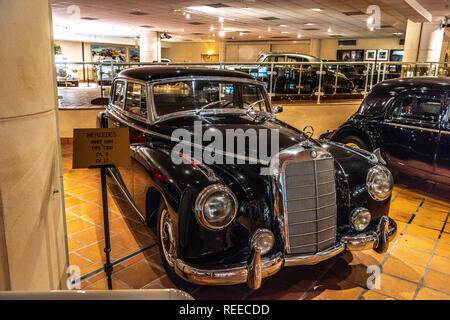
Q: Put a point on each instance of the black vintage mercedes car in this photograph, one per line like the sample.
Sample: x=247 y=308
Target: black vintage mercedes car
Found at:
x=242 y=218
x=408 y=120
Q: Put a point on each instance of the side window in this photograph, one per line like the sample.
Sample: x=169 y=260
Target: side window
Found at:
x=403 y=107
x=119 y=93
x=136 y=99
x=423 y=108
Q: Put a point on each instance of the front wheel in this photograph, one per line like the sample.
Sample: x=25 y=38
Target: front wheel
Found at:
x=355 y=142
x=167 y=243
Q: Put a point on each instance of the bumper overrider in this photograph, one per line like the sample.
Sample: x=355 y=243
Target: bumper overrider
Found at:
x=259 y=268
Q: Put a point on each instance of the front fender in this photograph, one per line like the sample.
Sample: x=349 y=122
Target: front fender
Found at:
x=360 y=128
x=355 y=166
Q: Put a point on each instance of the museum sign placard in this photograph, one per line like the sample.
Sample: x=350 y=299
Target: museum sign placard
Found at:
x=101 y=147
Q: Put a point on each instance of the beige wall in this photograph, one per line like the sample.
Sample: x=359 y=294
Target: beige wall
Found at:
x=188 y=51
x=73 y=49
x=70 y=119
x=249 y=51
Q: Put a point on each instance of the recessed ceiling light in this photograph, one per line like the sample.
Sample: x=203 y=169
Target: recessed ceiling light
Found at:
x=220 y=19
x=309 y=24
x=329 y=29
x=211 y=28
x=259 y=37
x=299 y=35
x=188 y=16
x=241 y=34
x=138 y=13
x=316 y=9
x=182 y=30
x=221 y=33
x=217 y=5
x=284 y=32
x=269 y=29
x=269 y=18
x=283 y=25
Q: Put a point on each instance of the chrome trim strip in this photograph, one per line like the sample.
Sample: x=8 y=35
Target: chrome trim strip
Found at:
x=317 y=196
x=411 y=127
x=309 y=185
x=303 y=222
x=308 y=233
x=303 y=210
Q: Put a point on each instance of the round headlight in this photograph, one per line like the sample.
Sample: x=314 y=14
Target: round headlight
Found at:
x=379 y=182
x=215 y=207
x=360 y=218
x=262 y=240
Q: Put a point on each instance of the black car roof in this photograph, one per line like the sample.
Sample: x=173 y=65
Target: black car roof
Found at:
x=402 y=84
x=151 y=73
x=376 y=101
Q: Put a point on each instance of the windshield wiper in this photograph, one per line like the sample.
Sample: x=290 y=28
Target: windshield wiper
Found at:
x=250 y=106
x=208 y=105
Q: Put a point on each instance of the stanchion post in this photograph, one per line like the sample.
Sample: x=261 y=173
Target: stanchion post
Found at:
x=319 y=90
x=101 y=81
x=108 y=264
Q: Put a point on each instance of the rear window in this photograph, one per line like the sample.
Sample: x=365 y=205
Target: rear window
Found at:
x=373 y=105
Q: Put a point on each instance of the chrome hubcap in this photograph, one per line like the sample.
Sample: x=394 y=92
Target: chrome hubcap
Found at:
x=167 y=238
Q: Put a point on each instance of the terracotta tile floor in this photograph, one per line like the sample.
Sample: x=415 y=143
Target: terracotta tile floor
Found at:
x=417 y=265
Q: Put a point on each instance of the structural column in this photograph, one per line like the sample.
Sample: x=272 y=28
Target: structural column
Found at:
x=222 y=51
x=314 y=47
x=33 y=245
x=423 y=41
x=150 y=46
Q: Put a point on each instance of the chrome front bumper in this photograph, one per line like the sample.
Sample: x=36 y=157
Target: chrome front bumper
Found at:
x=260 y=268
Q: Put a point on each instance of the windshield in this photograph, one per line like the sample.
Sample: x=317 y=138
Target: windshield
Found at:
x=201 y=95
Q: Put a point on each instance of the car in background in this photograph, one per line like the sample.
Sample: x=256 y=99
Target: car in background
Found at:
x=226 y=222
x=356 y=73
x=299 y=79
x=408 y=121
x=107 y=70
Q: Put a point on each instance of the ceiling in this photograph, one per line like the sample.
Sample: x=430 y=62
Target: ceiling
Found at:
x=243 y=20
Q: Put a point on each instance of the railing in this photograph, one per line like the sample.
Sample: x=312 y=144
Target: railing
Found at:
x=289 y=79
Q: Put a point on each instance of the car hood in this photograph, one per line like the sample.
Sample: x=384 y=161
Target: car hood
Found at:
x=260 y=125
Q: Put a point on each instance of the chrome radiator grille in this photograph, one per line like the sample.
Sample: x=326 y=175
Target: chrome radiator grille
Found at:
x=310 y=200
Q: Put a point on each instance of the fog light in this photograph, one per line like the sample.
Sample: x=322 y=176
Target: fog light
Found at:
x=262 y=240
x=360 y=218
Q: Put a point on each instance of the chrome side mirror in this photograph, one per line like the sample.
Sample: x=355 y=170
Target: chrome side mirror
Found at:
x=308 y=130
x=278 y=109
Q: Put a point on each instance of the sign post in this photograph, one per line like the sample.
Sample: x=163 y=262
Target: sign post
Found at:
x=102 y=148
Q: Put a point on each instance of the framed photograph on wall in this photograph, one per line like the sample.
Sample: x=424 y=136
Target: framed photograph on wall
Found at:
x=382 y=55
x=100 y=53
x=134 y=55
x=371 y=55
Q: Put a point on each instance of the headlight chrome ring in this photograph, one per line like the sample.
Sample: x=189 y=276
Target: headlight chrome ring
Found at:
x=379 y=182
x=202 y=200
